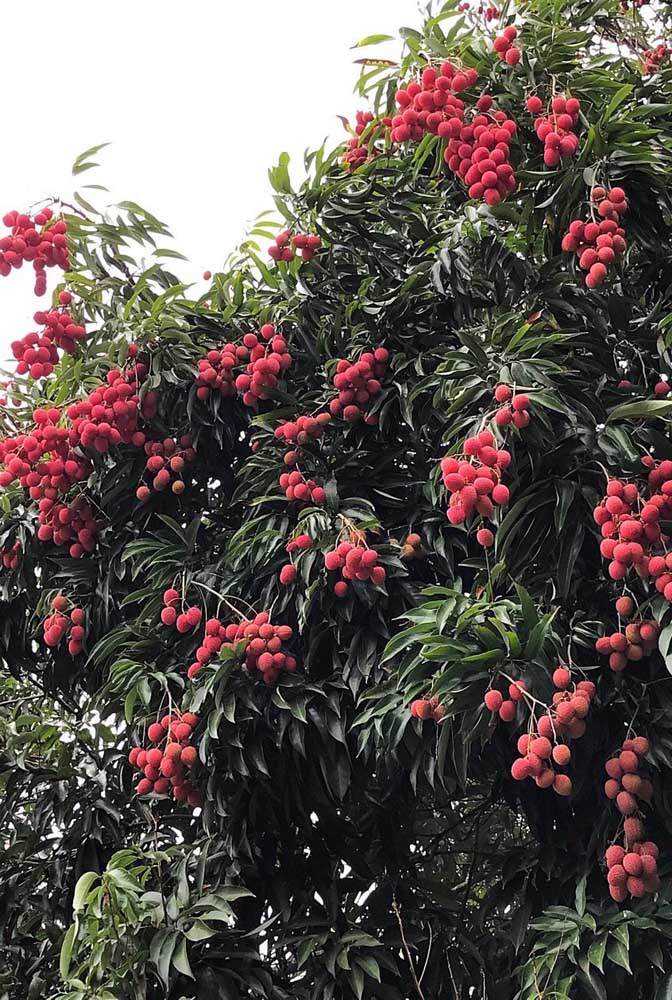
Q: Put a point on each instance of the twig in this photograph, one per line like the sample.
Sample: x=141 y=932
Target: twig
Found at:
x=407 y=950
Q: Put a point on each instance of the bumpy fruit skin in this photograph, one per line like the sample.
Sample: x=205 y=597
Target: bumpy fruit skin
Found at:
x=493 y=700
x=562 y=678
x=287 y=574
x=562 y=785
x=507 y=711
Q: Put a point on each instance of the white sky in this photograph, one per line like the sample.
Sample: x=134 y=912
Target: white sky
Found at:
x=197 y=97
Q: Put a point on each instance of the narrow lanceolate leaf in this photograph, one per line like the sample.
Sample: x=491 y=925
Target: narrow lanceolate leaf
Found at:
x=335 y=566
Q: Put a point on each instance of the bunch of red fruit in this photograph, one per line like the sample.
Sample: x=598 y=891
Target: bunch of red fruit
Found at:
x=630 y=528
x=428 y=708
x=299 y=544
x=72 y=523
x=301 y=431
x=480 y=154
x=265 y=650
x=10 y=555
x=42 y=460
x=652 y=58
x=110 y=415
x=166 y=462
x=555 y=129
x=213 y=640
x=598 y=244
x=633 y=643
x=357 y=382
x=633 y=869
x=474 y=481
x=355 y=561
x=564 y=716
x=285 y=246
x=306 y=244
x=429 y=106
x=37 y=353
x=515 y=411
x=185 y=620
x=65 y=619
x=43 y=247
x=215 y=371
x=633 y=872
x=362 y=147
x=297 y=487
x=504 y=47
x=624 y=784
x=165 y=766
x=265 y=366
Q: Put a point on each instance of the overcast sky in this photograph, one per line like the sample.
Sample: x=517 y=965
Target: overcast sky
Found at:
x=197 y=97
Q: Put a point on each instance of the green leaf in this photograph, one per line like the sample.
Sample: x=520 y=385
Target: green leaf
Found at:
x=84 y=883
x=618 y=953
x=617 y=100
x=180 y=959
x=373 y=40
x=641 y=410
x=66 y=951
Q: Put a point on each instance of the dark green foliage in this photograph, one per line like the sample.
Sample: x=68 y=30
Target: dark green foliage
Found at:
x=346 y=849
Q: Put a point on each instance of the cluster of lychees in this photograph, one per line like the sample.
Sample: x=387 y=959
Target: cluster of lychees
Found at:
x=504 y=47
x=362 y=147
x=166 y=462
x=265 y=650
x=429 y=106
x=555 y=129
x=10 y=555
x=184 y=620
x=285 y=246
x=110 y=415
x=598 y=243
x=633 y=868
x=165 y=766
x=301 y=431
x=43 y=247
x=563 y=717
x=357 y=382
x=36 y=353
x=631 y=527
x=65 y=619
x=428 y=708
x=480 y=154
x=515 y=411
x=297 y=487
x=652 y=58
x=73 y=523
x=630 y=645
x=412 y=547
x=473 y=482
x=215 y=371
x=42 y=461
x=299 y=544
x=355 y=561
x=265 y=366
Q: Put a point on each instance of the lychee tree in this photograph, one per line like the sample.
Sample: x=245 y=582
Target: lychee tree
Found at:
x=336 y=626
